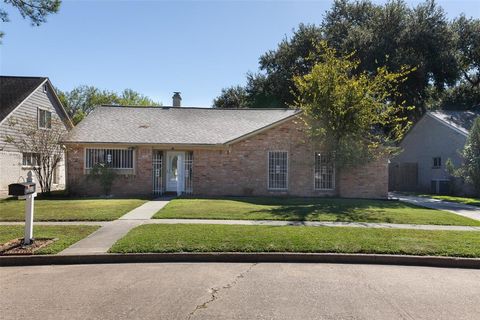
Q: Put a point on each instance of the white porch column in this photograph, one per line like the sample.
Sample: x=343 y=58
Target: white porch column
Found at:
x=181 y=174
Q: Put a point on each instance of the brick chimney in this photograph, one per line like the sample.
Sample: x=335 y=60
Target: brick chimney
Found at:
x=176 y=99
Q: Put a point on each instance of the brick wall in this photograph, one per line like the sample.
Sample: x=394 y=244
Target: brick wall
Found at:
x=241 y=169
x=138 y=183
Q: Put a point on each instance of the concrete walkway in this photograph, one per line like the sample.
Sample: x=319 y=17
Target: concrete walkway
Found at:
x=117 y=223
x=146 y=211
x=102 y=239
x=471 y=212
x=113 y=226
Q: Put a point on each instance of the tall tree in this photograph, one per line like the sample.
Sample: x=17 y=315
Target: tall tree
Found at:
x=35 y=10
x=81 y=100
x=470 y=169
x=272 y=87
x=233 y=97
x=462 y=96
x=467 y=41
x=392 y=35
x=346 y=109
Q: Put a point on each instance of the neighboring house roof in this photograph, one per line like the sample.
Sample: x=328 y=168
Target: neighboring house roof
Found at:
x=13 y=90
x=460 y=121
x=173 y=125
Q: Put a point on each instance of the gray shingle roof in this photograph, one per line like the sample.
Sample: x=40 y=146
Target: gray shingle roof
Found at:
x=14 y=90
x=460 y=120
x=169 y=125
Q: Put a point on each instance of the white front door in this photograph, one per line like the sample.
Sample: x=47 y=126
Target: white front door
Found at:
x=174 y=170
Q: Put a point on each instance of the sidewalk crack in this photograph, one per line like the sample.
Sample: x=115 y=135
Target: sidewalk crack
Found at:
x=215 y=291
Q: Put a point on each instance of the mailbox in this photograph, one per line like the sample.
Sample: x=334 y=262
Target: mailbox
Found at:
x=21 y=189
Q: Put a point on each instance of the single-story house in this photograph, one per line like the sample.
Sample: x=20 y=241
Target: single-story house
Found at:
x=435 y=138
x=29 y=100
x=210 y=152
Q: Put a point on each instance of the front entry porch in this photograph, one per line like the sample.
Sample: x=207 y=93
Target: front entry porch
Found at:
x=172 y=172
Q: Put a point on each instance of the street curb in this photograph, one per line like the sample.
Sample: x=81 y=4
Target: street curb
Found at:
x=234 y=257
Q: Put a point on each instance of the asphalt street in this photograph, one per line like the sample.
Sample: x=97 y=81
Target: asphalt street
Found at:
x=238 y=291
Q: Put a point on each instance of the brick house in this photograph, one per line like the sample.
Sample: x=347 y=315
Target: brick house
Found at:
x=210 y=152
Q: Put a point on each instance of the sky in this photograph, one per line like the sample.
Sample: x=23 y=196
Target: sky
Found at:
x=158 y=47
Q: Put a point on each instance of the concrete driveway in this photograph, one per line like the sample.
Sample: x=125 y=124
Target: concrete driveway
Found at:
x=471 y=212
x=238 y=291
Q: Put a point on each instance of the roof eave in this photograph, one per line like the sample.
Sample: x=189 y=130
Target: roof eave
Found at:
x=155 y=145
x=447 y=124
x=69 y=120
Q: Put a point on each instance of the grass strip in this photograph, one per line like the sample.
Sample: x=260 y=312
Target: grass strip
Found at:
x=69 y=209
x=67 y=235
x=228 y=238
x=309 y=209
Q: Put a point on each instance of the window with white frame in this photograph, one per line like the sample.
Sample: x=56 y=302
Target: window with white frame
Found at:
x=437 y=162
x=29 y=159
x=324 y=171
x=277 y=170
x=113 y=158
x=44 y=119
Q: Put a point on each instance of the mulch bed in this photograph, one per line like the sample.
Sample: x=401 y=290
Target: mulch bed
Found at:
x=16 y=246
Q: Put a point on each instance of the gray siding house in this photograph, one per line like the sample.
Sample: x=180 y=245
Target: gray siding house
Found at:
x=435 y=138
x=27 y=99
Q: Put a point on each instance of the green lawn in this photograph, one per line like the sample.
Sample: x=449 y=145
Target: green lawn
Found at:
x=224 y=238
x=64 y=209
x=311 y=209
x=464 y=200
x=67 y=235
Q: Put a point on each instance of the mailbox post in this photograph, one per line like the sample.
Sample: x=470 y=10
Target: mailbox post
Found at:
x=26 y=191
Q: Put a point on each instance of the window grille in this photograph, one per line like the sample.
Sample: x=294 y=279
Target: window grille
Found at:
x=157 y=172
x=324 y=172
x=277 y=170
x=188 y=172
x=113 y=158
x=44 y=119
x=437 y=162
x=29 y=159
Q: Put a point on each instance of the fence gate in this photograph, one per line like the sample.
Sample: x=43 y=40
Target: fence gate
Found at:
x=157 y=172
x=403 y=176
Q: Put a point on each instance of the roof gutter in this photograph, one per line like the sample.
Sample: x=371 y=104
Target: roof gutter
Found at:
x=170 y=146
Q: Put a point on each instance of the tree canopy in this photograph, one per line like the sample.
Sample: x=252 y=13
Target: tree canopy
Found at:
x=346 y=110
x=443 y=53
x=81 y=100
x=470 y=168
x=34 y=10
x=233 y=97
